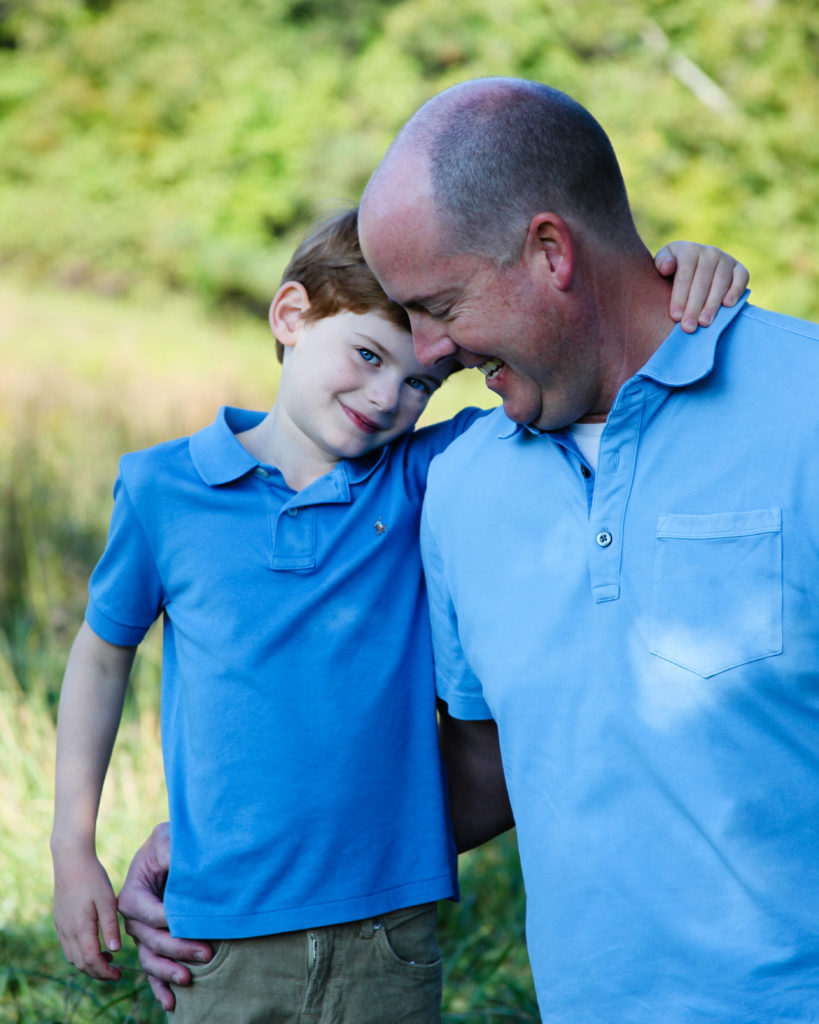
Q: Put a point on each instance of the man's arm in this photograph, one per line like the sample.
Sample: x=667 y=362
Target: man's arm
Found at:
x=140 y=903
x=479 y=803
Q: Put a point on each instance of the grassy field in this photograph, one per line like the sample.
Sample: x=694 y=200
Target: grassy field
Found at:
x=84 y=379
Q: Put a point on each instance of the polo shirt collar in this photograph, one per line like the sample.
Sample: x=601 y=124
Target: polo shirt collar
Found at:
x=682 y=358
x=218 y=457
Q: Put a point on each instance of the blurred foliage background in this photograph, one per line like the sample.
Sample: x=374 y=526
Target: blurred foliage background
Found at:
x=186 y=143
x=159 y=159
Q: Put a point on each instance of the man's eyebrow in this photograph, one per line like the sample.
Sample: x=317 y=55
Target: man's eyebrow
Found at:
x=425 y=303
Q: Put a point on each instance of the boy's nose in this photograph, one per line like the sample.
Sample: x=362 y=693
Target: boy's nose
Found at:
x=384 y=394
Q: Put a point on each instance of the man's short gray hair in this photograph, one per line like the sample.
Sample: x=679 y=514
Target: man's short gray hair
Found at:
x=503 y=151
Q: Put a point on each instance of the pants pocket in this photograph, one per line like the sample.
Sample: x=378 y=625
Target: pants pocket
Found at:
x=717 y=589
x=407 y=938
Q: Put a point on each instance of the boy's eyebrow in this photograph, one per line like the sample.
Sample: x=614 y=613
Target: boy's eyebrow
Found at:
x=371 y=342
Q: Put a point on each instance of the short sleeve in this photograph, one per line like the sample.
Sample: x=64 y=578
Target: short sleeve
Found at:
x=125 y=591
x=424 y=444
x=455 y=682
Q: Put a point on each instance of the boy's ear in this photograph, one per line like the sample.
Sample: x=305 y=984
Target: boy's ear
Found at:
x=550 y=236
x=287 y=310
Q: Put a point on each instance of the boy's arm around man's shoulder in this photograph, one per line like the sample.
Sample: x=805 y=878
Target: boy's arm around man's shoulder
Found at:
x=479 y=802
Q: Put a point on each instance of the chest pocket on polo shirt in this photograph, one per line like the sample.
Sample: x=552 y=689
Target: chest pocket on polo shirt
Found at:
x=717 y=589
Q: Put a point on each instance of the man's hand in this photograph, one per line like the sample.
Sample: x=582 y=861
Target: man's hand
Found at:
x=705 y=278
x=143 y=912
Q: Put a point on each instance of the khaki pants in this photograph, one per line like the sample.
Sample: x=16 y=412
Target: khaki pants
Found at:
x=384 y=970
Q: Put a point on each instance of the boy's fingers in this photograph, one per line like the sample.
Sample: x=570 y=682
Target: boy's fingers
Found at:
x=717 y=280
x=681 y=291
x=665 y=261
x=90 y=959
x=706 y=295
x=739 y=283
x=710 y=281
x=109 y=926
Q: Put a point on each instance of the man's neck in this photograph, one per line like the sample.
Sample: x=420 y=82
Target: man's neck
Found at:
x=635 y=300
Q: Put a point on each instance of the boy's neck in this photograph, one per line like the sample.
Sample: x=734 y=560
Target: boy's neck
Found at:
x=271 y=443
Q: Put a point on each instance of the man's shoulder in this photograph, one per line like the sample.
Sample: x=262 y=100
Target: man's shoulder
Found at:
x=768 y=320
x=491 y=426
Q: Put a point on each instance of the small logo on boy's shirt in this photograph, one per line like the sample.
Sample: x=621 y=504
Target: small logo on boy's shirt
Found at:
x=379 y=527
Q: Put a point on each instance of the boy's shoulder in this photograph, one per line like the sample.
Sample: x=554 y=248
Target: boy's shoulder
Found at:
x=155 y=462
x=210 y=455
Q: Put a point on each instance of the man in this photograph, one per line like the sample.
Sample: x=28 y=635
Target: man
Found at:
x=622 y=568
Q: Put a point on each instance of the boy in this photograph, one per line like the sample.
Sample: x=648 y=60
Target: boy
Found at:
x=308 y=814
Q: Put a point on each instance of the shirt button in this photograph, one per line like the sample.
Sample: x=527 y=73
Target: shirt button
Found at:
x=261 y=472
x=585 y=471
x=603 y=538
x=292 y=512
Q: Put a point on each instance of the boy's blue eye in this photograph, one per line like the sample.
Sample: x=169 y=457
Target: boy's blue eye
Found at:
x=417 y=384
x=367 y=355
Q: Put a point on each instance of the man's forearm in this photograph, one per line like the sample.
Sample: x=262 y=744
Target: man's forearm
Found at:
x=479 y=802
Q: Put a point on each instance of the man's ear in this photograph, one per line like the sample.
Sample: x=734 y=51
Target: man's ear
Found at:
x=287 y=310
x=549 y=243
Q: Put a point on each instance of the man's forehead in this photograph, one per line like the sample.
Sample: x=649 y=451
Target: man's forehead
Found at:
x=403 y=238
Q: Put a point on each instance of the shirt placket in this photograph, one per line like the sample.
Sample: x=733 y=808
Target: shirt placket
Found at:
x=612 y=489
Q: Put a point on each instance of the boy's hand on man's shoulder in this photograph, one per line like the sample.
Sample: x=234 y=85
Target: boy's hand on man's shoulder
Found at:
x=705 y=278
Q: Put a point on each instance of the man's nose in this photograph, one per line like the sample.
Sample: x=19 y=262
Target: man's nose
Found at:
x=432 y=342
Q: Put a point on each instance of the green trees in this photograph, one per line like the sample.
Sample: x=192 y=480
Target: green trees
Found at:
x=189 y=142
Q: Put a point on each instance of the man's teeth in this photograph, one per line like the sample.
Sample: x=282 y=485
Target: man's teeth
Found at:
x=490 y=367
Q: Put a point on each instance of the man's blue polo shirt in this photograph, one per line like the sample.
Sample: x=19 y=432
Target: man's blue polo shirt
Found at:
x=298 y=714
x=647 y=639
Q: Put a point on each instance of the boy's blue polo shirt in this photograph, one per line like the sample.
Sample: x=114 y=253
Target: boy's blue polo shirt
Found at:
x=647 y=639
x=298 y=715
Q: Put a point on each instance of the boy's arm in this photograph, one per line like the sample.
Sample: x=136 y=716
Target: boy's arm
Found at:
x=140 y=904
x=90 y=707
x=705 y=278
x=479 y=803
